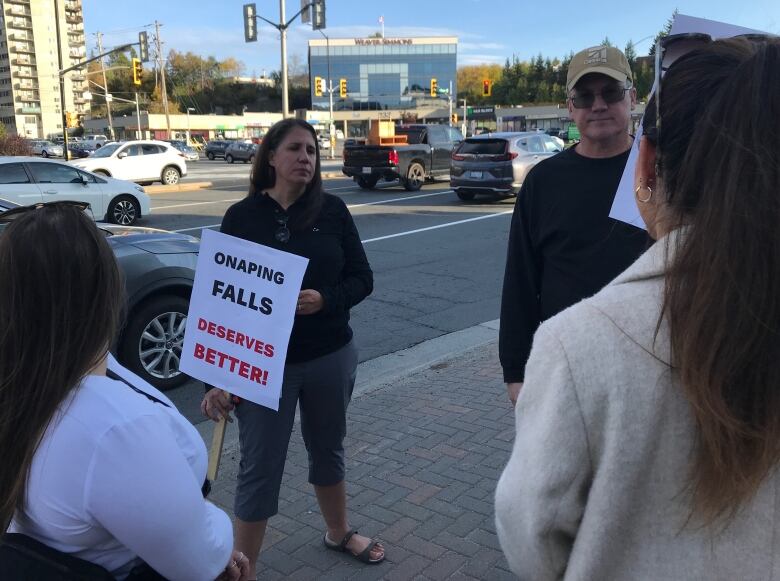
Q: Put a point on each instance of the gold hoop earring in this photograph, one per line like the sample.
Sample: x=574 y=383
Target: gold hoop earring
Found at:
x=645 y=200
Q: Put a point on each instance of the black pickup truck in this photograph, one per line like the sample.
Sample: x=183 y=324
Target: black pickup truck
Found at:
x=426 y=156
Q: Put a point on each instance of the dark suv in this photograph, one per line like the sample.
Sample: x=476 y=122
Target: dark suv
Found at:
x=216 y=148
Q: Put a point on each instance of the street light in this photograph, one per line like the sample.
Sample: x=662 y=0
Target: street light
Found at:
x=188 y=123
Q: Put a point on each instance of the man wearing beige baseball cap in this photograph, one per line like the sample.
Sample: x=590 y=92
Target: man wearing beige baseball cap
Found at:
x=563 y=246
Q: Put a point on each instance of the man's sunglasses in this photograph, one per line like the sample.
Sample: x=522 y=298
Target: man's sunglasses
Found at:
x=282 y=233
x=610 y=95
x=14 y=213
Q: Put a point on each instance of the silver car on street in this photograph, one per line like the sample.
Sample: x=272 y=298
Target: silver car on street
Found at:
x=497 y=163
x=46 y=148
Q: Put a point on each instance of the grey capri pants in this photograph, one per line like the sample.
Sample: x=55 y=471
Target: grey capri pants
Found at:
x=324 y=387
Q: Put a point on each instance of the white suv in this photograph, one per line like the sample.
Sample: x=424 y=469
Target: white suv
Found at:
x=139 y=161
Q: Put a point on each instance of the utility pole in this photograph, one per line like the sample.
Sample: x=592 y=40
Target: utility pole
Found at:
x=449 y=102
x=161 y=65
x=464 y=117
x=283 y=33
x=105 y=86
x=138 y=134
x=331 y=126
x=62 y=82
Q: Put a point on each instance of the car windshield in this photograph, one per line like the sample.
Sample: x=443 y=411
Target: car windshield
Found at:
x=106 y=150
x=483 y=147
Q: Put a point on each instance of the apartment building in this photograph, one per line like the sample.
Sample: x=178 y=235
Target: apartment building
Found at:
x=29 y=68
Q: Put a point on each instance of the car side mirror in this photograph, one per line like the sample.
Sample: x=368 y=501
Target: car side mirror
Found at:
x=122 y=155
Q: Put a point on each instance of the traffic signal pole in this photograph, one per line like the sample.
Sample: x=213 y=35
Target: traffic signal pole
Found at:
x=105 y=86
x=250 y=35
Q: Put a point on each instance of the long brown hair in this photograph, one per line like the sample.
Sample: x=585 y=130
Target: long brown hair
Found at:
x=60 y=307
x=263 y=175
x=719 y=153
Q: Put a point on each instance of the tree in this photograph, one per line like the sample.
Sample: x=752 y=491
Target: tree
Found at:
x=663 y=32
x=630 y=53
x=606 y=42
x=3 y=130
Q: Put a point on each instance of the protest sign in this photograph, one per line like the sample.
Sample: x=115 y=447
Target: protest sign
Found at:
x=624 y=207
x=241 y=315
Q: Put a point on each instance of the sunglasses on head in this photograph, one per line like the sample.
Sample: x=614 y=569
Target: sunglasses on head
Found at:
x=282 y=233
x=667 y=51
x=14 y=213
x=611 y=95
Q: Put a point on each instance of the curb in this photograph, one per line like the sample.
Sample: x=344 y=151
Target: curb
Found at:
x=381 y=372
x=186 y=187
x=329 y=175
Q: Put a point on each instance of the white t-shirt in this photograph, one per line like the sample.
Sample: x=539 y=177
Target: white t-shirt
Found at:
x=118 y=477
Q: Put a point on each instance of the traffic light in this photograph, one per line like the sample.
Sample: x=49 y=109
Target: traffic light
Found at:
x=318 y=86
x=487 y=88
x=318 y=14
x=454 y=118
x=143 y=43
x=138 y=71
x=343 y=88
x=434 y=87
x=305 y=11
x=250 y=23
x=70 y=119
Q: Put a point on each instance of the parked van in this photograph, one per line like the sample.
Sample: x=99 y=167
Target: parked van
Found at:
x=96 y=138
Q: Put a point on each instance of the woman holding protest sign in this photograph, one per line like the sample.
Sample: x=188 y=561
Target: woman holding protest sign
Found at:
x=100 y=479
x=287 y=209
x=658 y=399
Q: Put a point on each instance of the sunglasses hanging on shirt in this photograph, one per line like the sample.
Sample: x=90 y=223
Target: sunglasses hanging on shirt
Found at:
x=282 y=233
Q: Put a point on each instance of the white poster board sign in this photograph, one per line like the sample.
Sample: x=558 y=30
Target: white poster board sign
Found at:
x=624 y=207
x=241 y=315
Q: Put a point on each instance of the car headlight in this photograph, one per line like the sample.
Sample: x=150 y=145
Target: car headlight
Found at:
x=139 y=188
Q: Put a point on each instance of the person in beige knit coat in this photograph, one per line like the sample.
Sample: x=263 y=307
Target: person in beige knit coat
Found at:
x=648 y=427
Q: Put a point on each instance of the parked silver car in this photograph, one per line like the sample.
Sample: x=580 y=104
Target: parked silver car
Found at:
x=240 y=151
x=497 y=163
x=159 y=271
x=46 y=148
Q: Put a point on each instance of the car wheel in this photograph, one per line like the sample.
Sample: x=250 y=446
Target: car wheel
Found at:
x=170 y=176
x=367 y=183
x=210 y=156
x=229 y=158
x=415 y=177
x=44 y=153
x=123 y=210
x=152 y=343
x=465 y=196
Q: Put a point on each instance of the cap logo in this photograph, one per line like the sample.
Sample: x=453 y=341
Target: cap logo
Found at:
x=597 y=54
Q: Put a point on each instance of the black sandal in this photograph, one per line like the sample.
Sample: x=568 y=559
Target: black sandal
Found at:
x=364 y=556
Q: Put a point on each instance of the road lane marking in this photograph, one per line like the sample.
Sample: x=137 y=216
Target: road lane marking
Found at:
x=448 y=224
x=350 y=206
x=407 y=233
x=399 y=199
x=195 y=204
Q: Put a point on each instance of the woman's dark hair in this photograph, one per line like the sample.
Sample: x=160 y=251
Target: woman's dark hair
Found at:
x=719 y=149
x=61 y=298
x=263 y=174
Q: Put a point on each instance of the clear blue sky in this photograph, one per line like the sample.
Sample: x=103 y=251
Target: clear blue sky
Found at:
x=488 y=30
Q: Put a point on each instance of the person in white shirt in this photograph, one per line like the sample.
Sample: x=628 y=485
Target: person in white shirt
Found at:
x=92 y=467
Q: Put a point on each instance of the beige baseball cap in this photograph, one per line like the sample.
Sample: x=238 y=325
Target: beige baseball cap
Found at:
x=606 y=60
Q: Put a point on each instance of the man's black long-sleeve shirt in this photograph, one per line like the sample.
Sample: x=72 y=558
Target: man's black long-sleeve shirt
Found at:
x=337 y=269
x=563 y=247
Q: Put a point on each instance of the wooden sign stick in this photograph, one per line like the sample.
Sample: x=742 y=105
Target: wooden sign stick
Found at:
x=217 y=441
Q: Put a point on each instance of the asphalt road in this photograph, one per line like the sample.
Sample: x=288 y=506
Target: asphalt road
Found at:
x=438 y=262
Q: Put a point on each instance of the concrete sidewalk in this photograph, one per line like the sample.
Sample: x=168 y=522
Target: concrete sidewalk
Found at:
x=424 y=453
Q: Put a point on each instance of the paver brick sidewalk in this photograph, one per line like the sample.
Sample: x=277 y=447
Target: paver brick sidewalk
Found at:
x=423 y=459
